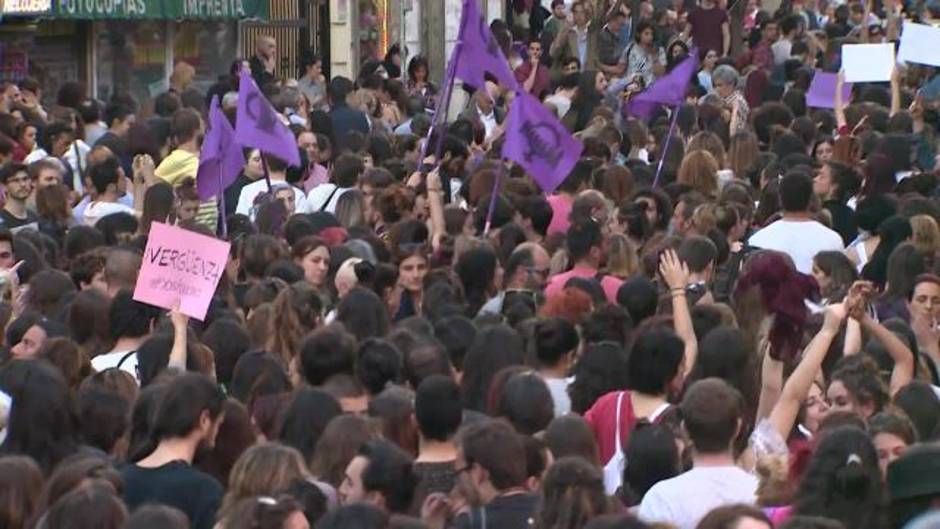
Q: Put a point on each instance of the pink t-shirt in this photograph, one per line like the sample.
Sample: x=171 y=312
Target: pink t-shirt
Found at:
x=609 y=283
x=561 y=209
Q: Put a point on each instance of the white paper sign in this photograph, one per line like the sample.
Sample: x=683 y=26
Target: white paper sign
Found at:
x=920 y=44
x=867 y=63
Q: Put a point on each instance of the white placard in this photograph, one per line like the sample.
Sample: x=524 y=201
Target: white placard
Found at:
x=920 y=44
x=867 y=63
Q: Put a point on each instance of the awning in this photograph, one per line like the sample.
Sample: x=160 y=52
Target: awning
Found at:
x=160 y=9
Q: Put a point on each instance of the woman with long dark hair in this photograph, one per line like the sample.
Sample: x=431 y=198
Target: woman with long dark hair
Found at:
x=843 y=481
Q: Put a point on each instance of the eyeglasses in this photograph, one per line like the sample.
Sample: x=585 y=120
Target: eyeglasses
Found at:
x=463 y=469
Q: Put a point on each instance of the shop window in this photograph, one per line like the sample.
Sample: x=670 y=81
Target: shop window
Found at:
x=210 y=47
x=131 y=58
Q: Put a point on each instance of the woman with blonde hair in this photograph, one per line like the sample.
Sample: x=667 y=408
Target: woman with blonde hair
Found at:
x=926 y=236
x=351 y=209
x=699 y=169
x=622 y=259
x=263 y=470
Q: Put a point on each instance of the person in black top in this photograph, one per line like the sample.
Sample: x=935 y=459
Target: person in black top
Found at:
x=119 y=116
x=262 y=62
x=491 y=474
x=834 y=184
x=15 y=214
x=186 y=421
x=343 y=118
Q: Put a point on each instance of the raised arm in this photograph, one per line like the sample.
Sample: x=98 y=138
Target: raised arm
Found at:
x=797 y=387
x=837 y=101
x=436 y=207
x=895 y=90
x=676 y=275
x=180 y=328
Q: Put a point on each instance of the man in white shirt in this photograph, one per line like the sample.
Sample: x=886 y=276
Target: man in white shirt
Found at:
x=107 y=177
x=277 y=173
x=791 y=27
x=131 y=323
x=711 y=414
x=346 y=172
x=556 y=346
x=797 y=234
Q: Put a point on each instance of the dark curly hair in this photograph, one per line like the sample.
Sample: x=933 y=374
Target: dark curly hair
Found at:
x=859 y=374
x=602 y=368
x=572 y=493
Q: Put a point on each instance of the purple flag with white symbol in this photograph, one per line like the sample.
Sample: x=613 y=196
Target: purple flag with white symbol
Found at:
x=478 y=50
x=259 y=126
x=668 y=90
x=537 y=141
x=221 y=158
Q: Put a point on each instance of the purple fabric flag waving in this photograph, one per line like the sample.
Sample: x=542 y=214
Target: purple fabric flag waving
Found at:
x=668 y=90
x=221 y=158
x=478 y=50
x=259 y=126
x=538 y=142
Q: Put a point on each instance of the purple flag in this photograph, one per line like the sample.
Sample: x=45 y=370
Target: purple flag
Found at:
x=822 y=91
x=478 y=52
x=668 y=90
x=539 y=143
x=259 y=126
x=221 y=158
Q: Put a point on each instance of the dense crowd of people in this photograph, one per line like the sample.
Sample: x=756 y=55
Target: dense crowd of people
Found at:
x=725 y=317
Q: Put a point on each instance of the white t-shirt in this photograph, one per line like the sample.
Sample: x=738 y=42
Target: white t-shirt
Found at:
x=319 y=196
x=558 y=387
x=246 y=200
x=685 y=499
x=801 y=240
x=109 y=360
x=96 y=211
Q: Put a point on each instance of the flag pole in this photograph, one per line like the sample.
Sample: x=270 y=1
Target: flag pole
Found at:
x=492 y=207
x=267 y=174
x=444 y=107
x=662 y=155
x=221 y=203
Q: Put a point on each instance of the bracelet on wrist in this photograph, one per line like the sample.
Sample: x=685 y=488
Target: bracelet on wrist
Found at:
x=677 y=289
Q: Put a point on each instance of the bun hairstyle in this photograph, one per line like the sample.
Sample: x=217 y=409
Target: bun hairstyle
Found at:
x=843 y=481
x=851 y=478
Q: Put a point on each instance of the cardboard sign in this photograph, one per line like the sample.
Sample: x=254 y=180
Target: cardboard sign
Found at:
x=822 y=91
x=919 y=44
x=867 y=63
x=180 y=265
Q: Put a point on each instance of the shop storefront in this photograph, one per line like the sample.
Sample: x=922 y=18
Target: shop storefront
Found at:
x=133 y=45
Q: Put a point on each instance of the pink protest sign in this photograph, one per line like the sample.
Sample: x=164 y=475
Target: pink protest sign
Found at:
x=180 y=265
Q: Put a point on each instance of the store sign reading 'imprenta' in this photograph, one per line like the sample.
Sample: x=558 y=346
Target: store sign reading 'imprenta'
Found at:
x=162 y=9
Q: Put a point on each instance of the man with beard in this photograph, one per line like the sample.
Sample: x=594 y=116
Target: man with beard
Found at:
x=585 y=244
x=524 y=278
x=18 y=185
x=186 y=422
x=491 y=475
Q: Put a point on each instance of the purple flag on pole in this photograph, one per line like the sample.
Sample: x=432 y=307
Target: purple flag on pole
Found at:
x=539 y=143
x=259 y=126
x=221 y=158
x=478 y=50
x=668 y=90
